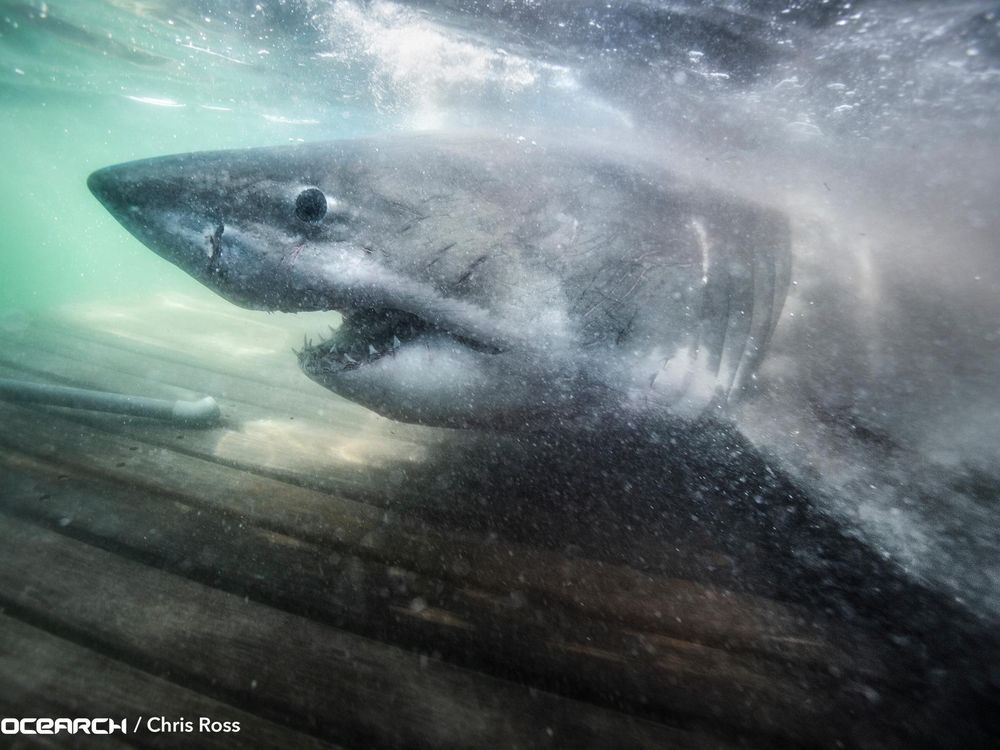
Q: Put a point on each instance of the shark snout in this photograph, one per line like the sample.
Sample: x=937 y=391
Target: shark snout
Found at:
x=155 y=209
x=126 y=188
x=108 y=187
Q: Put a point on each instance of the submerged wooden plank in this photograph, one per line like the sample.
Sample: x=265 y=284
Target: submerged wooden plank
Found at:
x=298 y=451
x=684 y=609
x=289 y=668
x=44 y=675
x=650 y=675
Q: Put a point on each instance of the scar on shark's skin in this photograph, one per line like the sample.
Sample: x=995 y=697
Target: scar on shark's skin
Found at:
x=440 y=253
x=294 y=255
x=471 y=270
x=215 y=242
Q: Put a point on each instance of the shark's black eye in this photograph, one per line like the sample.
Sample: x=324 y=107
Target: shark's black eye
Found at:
x=310 y=206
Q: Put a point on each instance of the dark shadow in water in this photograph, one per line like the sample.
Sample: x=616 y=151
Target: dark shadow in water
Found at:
x=699 y=502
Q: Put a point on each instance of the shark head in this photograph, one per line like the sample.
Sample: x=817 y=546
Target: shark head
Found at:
x=483 y=282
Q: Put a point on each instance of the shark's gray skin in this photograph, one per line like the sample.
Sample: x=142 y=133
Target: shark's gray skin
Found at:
x=484 y=282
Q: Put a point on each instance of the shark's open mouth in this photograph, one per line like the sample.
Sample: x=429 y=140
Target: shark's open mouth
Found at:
x=368 y=335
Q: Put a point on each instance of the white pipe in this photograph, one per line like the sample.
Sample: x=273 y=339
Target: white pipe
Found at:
x=202 y=412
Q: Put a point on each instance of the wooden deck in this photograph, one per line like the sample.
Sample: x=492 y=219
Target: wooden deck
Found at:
x=312 y=571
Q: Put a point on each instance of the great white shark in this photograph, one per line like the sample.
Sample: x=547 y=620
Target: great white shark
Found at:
x=492 y=282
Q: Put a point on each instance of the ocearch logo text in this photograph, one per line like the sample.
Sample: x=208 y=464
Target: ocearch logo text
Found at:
x=55 y=726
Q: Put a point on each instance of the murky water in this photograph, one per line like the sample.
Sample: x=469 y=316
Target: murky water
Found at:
x=875 y=127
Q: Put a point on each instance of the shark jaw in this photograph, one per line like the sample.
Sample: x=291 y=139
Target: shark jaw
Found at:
x=368 y=335
x=405 y=367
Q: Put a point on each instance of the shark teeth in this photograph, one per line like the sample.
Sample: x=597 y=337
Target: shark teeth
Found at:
x=369 y=335
x=364 y=337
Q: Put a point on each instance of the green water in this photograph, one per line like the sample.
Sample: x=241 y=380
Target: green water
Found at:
x=58 y=244
x=74 y=98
